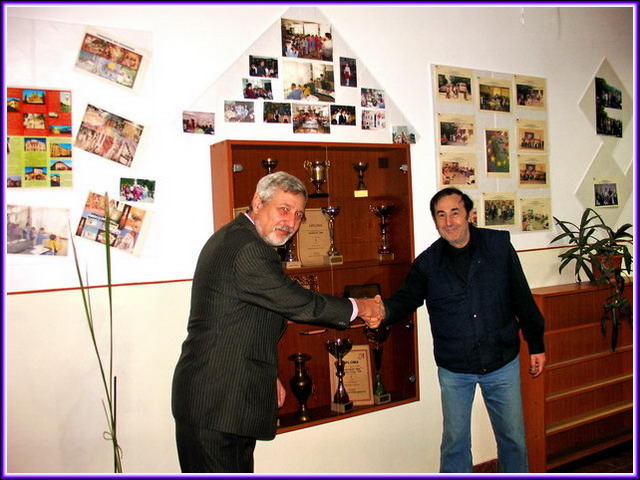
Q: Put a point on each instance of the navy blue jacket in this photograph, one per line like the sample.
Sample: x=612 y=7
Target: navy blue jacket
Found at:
x=475 y=322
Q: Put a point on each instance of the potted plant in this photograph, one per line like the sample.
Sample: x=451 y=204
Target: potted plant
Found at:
x=602 y=254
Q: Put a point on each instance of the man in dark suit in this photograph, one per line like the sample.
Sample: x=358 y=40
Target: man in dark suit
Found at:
x=226 y=390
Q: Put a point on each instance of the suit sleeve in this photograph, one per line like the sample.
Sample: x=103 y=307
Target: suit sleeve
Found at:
x=261 y=282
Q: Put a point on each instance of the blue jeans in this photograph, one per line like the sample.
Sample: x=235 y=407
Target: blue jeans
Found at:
x=502 y=397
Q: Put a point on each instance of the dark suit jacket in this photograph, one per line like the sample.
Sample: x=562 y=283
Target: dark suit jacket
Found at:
x=225 y=379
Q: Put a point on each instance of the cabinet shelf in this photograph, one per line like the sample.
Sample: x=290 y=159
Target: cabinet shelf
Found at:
x=323 y=414
x=589 y=387
x=589 y=418
x=569 y=455
x=236 y=168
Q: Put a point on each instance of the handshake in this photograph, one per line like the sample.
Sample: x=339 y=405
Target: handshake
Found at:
x=371 y=310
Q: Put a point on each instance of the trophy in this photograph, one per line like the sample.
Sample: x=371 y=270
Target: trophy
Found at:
x=269 y=164
x=291 y=257
x=333 y=256
x=301 y=384
x=338 y=348
x=376 y=336
x=361 y=189
x=317 y=171
x=383 y=210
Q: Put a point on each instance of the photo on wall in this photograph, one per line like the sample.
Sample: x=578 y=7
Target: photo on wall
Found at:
x=276 y=112
x=263 y=67
x=137 y=190
x=311 y=118
x=310 y=40
x=494 y=95
x=256 y=88
x=402 y=134
x=239 y=112
x=308 y=81
x=605 y=192
x=37 y=230
x=373 y=119
x=530 y=92
x=531 y=135
x=608 y=109
x=535 y=214
x=453 y=84
x=198 y=122
x=39 y=145
x=456 y=131
x=458 y=169
x=499 y=209
x=108 y=135
x=125 y=223
x=372 y=98
x=533 y=171
x=348 y=72
x=343 y=115
x=497 y=156
x=110 y=59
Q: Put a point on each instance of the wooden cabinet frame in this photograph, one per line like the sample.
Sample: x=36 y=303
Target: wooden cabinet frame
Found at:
x=236 y=167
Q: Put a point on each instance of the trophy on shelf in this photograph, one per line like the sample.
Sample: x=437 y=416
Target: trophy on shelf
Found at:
x=376 y=336
x=317 y=170
x=291 y=257
x=333 y=256
x=301 y=384
x=269 y=164
x=361 y=189
x=338 y=348
x=383 y=210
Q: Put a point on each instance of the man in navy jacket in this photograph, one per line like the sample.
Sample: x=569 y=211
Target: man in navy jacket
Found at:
x=478 y=298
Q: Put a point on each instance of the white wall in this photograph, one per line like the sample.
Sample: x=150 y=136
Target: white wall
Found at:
x=54 y=418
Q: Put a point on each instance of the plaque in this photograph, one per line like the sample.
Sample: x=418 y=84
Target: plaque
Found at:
x=357 y=375
x=313 y=238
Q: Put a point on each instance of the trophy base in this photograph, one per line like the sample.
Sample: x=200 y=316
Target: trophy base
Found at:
x=380 y=399
x=302 y=417
x=333 y=259
x=296 y=264
x=385 y=256
x=342 y=407
x=319 y=195
x=360 y=193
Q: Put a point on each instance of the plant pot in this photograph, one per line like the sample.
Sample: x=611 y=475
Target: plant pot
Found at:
x=606 y=266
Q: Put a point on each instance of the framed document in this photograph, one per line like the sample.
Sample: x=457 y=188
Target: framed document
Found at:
x=357 y=375
x=313 y=238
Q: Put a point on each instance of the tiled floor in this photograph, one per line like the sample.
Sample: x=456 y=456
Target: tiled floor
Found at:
x=617 y=459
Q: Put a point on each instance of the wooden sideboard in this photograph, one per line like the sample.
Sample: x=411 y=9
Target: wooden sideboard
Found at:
x=583 y=402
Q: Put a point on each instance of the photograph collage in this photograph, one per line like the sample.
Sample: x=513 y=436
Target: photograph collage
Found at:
x=492 y=131
x=302 y=86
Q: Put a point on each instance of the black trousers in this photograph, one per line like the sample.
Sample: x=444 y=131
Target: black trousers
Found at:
x=209 y=451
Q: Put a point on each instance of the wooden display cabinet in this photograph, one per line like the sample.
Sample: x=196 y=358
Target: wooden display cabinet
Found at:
x=583 y=401
x=236 y=167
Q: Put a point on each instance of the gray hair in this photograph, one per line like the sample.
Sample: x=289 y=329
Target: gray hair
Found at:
x=269 y=184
